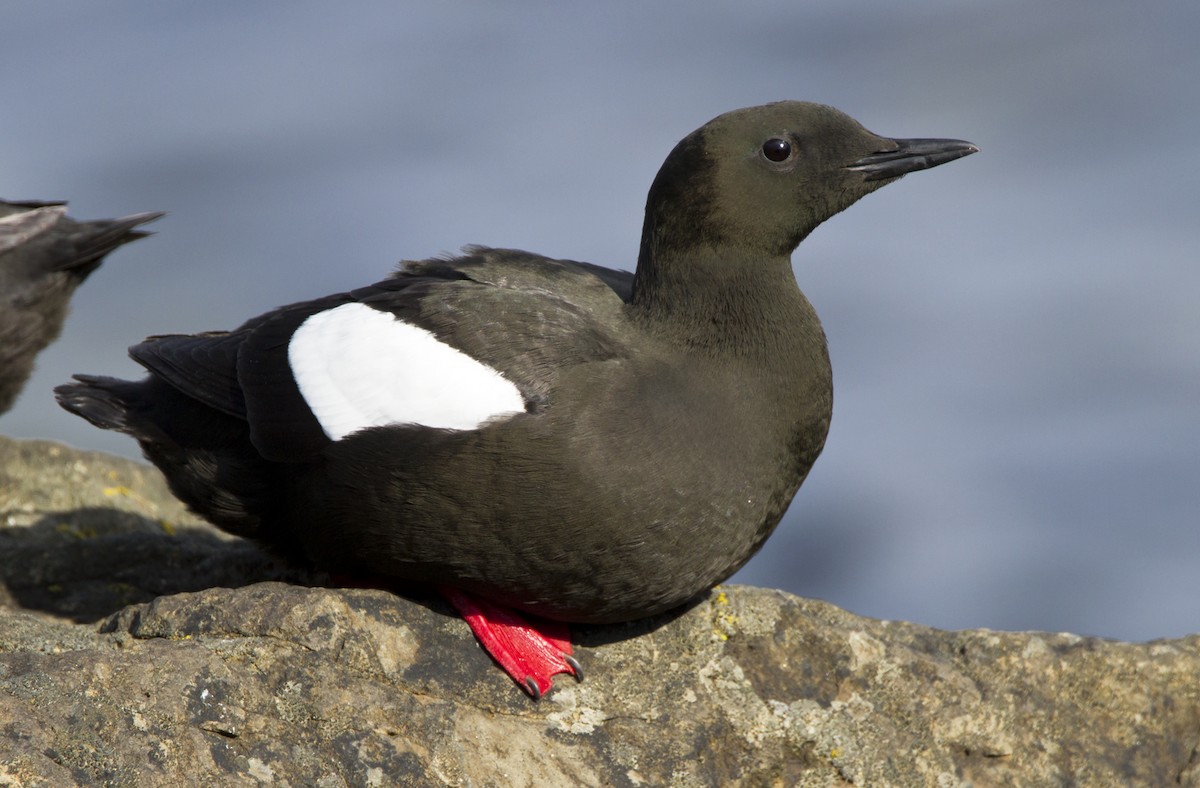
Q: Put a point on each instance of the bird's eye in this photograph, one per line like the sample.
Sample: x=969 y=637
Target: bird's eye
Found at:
x=776 y=149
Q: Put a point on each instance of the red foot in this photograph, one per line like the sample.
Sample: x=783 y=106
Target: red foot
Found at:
x=532 y=653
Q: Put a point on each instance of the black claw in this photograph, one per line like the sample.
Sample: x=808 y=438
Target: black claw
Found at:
x=531 y=686
x=576 y=668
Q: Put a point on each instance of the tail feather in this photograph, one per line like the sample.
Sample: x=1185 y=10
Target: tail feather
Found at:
x=103 y=401
x=206 y=455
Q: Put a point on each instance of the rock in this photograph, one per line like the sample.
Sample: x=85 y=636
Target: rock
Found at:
x=139 y=646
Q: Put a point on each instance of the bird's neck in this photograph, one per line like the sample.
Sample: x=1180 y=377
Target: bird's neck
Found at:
x=709 y=299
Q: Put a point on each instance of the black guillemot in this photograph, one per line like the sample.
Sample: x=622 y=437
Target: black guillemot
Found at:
x=536 y=437
x=44 y=256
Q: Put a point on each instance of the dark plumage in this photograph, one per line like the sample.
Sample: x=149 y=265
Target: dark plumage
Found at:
x=44 y=256
x=662 y=420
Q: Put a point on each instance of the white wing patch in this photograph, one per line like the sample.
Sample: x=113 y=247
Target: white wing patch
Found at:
x=357 y=367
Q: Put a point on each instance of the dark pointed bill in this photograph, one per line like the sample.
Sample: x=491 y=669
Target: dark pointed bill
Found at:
x=909 y=156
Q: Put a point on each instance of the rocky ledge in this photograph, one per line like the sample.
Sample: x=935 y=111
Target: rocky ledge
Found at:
x=139 y=646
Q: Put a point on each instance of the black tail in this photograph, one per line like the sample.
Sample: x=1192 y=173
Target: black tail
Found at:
x=95 y=398
x=206 y=455
x=105 y=402
x=160 y=416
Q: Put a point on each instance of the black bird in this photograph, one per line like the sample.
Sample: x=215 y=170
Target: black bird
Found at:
x=572 y=442
x=44 y=256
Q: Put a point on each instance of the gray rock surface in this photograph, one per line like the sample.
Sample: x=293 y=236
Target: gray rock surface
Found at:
x=139 y=646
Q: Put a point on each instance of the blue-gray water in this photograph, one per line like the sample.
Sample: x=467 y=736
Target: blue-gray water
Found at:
x=1015 y=336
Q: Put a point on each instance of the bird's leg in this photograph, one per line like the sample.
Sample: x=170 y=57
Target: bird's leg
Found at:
x=532 y=653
